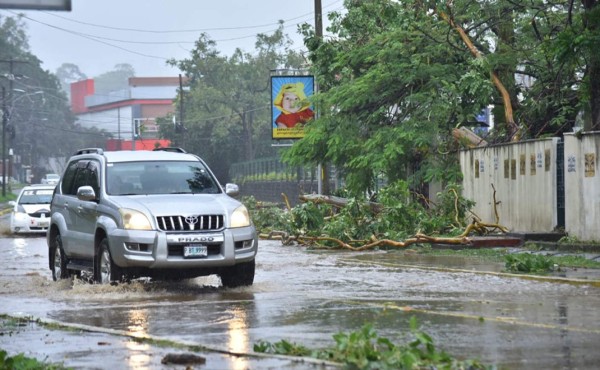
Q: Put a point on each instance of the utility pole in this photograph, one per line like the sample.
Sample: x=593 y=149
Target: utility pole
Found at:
x=180 y=126
x=11 y=78
x=4 y=122
x=323 y=175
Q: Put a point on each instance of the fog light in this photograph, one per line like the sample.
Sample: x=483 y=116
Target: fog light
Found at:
x=244 y=244
x=136 y=247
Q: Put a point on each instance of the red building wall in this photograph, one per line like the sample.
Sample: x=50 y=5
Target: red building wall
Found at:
x=79 y=90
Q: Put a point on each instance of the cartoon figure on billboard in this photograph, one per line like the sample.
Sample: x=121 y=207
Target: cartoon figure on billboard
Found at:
x=295 y=108
x=292 y=109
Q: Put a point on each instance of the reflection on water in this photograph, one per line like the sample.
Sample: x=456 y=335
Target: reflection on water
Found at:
x=139 y=358
x=238 y=341
x=138 y=323
x=19 y=246
x=138 y=327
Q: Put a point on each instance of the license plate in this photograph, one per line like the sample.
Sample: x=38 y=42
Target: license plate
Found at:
x=195 y=250
x=41 y=223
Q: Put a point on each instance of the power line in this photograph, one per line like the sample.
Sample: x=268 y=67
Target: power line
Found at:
x=100 y=38
x=190 y=30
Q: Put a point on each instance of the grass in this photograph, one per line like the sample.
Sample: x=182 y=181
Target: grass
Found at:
x=9 y=327
x=8 y=197
x=490 y=254
x=20 y=361
x=518 y=262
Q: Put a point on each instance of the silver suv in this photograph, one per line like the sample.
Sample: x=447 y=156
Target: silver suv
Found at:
x=161 y=214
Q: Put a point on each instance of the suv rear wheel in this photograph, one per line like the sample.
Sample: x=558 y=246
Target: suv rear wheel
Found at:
x=241 y=274
x=105 y=270
x=58 y=260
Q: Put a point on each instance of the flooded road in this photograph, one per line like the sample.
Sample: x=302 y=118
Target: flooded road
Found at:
x=307 y=296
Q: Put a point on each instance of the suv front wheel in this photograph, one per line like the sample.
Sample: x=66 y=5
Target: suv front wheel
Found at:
x=238 y=275
x=105 y=270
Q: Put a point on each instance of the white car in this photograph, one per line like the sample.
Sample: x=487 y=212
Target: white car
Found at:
x=31 y=212
x=51 y=179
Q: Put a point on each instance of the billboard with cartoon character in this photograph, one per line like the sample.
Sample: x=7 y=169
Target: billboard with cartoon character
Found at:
x=291 y=108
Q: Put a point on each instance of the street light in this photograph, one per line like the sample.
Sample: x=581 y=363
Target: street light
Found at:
x=5 y=117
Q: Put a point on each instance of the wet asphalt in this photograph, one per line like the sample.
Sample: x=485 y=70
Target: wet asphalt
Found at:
x=470 y=307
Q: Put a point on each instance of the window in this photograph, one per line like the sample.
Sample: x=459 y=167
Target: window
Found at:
x=81 y=173
x=68 y=178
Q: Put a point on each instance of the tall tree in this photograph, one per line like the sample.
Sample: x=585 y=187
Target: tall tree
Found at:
x=68 y=73
x=589 y=45
x=117 y=79
x=399 y=76
x=40 y=124
x=394 y=90
x=226 y=111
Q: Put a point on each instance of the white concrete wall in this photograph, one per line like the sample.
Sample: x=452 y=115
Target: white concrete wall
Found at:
x=524 y=176
x=582 y=186
x=117 y=121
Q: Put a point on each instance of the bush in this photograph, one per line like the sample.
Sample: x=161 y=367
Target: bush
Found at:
x=364 y=349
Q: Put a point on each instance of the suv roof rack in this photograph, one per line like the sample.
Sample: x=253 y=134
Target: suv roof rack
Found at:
x=89 y=150
x=170 y=149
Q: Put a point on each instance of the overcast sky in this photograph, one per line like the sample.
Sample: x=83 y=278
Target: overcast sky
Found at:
x=98 y=34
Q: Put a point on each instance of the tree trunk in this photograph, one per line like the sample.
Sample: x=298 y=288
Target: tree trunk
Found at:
x=511 y=126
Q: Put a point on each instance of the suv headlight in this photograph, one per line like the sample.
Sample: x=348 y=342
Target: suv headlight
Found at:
x=134 y=220
x=240 y=217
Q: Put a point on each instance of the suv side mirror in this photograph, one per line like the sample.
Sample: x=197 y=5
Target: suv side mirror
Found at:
x=86 y=193
x=232 y=190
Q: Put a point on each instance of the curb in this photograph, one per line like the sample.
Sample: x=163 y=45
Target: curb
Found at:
x=167 y=343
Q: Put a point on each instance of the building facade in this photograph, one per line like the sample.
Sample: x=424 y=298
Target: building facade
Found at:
x=130 y=114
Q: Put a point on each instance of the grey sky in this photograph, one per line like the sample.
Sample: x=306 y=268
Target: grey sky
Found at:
x=97 y=35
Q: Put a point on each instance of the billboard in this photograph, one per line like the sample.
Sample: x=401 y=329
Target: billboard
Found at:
x=290 y=105
x=36 y=4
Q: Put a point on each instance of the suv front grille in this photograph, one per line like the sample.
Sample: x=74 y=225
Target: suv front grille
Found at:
x=190 y=223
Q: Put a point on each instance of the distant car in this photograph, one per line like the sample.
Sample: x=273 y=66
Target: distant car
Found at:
x=51 y=179
x=31 y=212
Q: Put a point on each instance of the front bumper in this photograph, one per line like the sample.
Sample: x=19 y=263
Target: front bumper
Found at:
x=161 y=250
x=23 y=223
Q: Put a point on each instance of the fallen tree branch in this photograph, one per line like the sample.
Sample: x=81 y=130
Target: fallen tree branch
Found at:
x=336 y=201
x=476 y=226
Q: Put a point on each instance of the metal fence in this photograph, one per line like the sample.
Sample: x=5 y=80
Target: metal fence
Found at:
x=270 y=169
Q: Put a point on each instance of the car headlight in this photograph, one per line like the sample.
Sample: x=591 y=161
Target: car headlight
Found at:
x=20 y=216
x=240 y=217
x=134 y=220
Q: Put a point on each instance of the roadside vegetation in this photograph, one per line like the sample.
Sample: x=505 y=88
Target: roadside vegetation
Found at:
x=393 y=223
x=10 y=327
x=354 y=223
x=529 y=259
x=8 y=197
x=22 y=362
x=365 y=349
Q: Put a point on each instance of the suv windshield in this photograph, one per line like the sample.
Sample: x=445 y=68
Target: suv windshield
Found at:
x=162 y=177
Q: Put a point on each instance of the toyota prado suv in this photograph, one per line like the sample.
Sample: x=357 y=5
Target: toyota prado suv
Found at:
x=160 y=214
